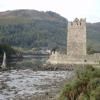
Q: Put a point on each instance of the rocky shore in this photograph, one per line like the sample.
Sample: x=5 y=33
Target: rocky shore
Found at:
x=43 y=67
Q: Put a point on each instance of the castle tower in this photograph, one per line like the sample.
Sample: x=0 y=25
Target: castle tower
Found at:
x=76 y=38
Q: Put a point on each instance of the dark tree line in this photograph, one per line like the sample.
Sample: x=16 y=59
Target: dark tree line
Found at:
x=38 y=33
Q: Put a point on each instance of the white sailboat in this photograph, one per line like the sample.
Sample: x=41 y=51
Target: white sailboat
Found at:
x=3 y=66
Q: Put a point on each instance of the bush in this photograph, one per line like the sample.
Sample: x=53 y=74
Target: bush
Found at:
x=84 y=87
x=8 y=49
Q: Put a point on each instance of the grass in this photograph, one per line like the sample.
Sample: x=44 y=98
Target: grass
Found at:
x=86 y=86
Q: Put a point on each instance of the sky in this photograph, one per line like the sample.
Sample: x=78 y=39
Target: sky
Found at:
x=70 y=9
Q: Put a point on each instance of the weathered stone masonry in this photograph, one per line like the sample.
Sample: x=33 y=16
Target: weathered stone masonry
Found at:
x=76 y=39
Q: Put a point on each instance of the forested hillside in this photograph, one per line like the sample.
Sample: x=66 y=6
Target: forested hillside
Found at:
x=93 y=35
x=31 y=28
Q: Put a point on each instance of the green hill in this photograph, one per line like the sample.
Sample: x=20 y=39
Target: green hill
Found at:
x=31 y=28
x=93 y=35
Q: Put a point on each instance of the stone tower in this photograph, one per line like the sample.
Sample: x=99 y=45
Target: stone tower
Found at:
x=76 y=38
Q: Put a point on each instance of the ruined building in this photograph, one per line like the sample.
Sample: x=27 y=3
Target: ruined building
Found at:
x=76 y=46
x=76 y=38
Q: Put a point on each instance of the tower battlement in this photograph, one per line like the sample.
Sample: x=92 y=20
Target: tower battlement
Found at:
x=77 y=23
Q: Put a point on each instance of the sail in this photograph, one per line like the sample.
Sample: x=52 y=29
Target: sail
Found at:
x=3 y=66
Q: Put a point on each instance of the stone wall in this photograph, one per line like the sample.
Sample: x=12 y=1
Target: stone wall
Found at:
x=58 y=58
x=76 y=39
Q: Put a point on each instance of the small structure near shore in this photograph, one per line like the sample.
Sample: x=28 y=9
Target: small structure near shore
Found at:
x=76 y=46
x=3 y=66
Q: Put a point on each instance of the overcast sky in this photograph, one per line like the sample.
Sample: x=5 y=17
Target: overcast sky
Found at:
x=70 y=9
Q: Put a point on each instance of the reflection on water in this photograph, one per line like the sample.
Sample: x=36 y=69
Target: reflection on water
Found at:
x=27 y=62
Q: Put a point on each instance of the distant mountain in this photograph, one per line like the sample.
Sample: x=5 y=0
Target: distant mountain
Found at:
x=31 y=28
x=31 y=15
x=93 y=35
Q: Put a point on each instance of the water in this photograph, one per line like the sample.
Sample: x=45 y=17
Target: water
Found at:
x=25 y=82
x=26 y=62
x=28 y=82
